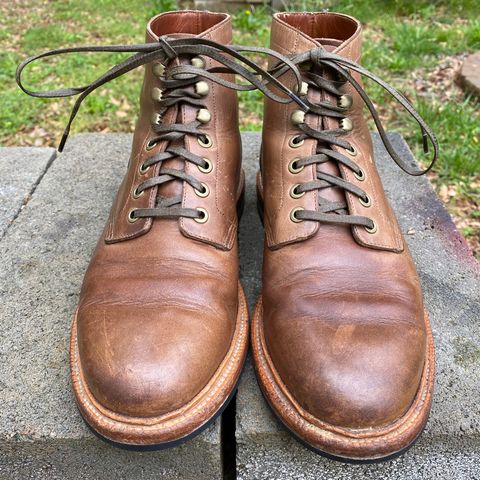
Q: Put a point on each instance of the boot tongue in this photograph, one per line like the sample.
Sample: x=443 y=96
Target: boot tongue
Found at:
x=174 y=187
x=333 y=194
x=329 y=44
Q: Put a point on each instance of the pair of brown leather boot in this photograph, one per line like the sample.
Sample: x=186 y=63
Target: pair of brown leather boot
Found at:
x=340 y=338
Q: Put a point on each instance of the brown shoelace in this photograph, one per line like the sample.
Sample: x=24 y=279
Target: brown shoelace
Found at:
x=325 y=66
x=178 y=79
x=177 y=82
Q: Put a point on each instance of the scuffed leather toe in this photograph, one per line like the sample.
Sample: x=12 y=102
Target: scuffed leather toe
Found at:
x=148 y=368
x=354 y=376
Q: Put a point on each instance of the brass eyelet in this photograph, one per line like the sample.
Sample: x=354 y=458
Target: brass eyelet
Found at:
x=303 y=89
x=156 y=94
x=292 y=168
x=352 y=151
x=204 y=216
x=136 y=193
x=150 y=145
x=345 y=101
x=294 y=193
x=297 y=117
x=158 y=69
x=346 y=124
x=198 y=62
x=366 y=202
x=208 y=168
x=130 y=216
x=156 y=119
x=202 y=88
x=205 y=141
x=203 y=115
x=143 y=169
x=293 y=216
x=204 y=193
x=372 y=229
x=359 y=176
x=294 y=142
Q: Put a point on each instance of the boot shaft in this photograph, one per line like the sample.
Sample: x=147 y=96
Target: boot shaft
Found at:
x=294 y=34
x=218 y=110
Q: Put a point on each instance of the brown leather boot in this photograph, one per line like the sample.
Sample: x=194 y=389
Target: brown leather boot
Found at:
x=160 y=335
x=161 y=330
x=342 y=344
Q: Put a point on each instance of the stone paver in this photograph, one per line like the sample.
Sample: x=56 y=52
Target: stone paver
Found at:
x=20 y=171
x=450 y=446
x=43 y=255
x=469 y=75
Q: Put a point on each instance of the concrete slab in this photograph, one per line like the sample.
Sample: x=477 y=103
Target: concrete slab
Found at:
x=43 y=255
x=450 y=446
x=20 y=171
x=469 y=75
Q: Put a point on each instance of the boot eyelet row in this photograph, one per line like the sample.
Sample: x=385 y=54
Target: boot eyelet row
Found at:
x=204 y=215
x=372 y=229
x=131 y=216
x=352 y=151
x=143 y=169
x=205 y=141
x=202 y=193
x=292 y=168
x=294 y=193
x=293 y=215
x=360 y=176
x=136 y=193
x=208 y=168
x=294 y=142
x=365 y=201
x=150 y=145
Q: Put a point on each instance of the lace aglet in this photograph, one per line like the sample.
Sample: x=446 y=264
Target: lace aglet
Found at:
x=425 y=141
x=298 y=101
x=63 y=141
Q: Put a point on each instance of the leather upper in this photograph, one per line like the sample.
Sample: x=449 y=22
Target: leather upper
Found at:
x=343 y=312
x=159 y=302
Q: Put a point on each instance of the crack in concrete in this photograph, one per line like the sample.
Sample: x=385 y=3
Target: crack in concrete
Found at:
x=228 y=441
x=28 y=196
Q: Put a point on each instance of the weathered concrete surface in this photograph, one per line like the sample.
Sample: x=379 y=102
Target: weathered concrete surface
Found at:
x=450 y=446
x=469 y=75
x=43 y=256
x=20 y=171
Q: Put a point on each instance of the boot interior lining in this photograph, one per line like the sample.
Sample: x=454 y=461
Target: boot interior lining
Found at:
x=320 y=25
x=193 y=22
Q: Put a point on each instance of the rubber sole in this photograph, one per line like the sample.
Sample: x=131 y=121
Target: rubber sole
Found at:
x=176 y=427
x=346 y=445
x=167 y=445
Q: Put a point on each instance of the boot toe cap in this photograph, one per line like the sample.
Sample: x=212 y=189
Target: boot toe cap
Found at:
x=157 y=362
x=352 y=376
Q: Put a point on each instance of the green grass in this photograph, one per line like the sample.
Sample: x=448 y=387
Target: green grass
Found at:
x=401 y=37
